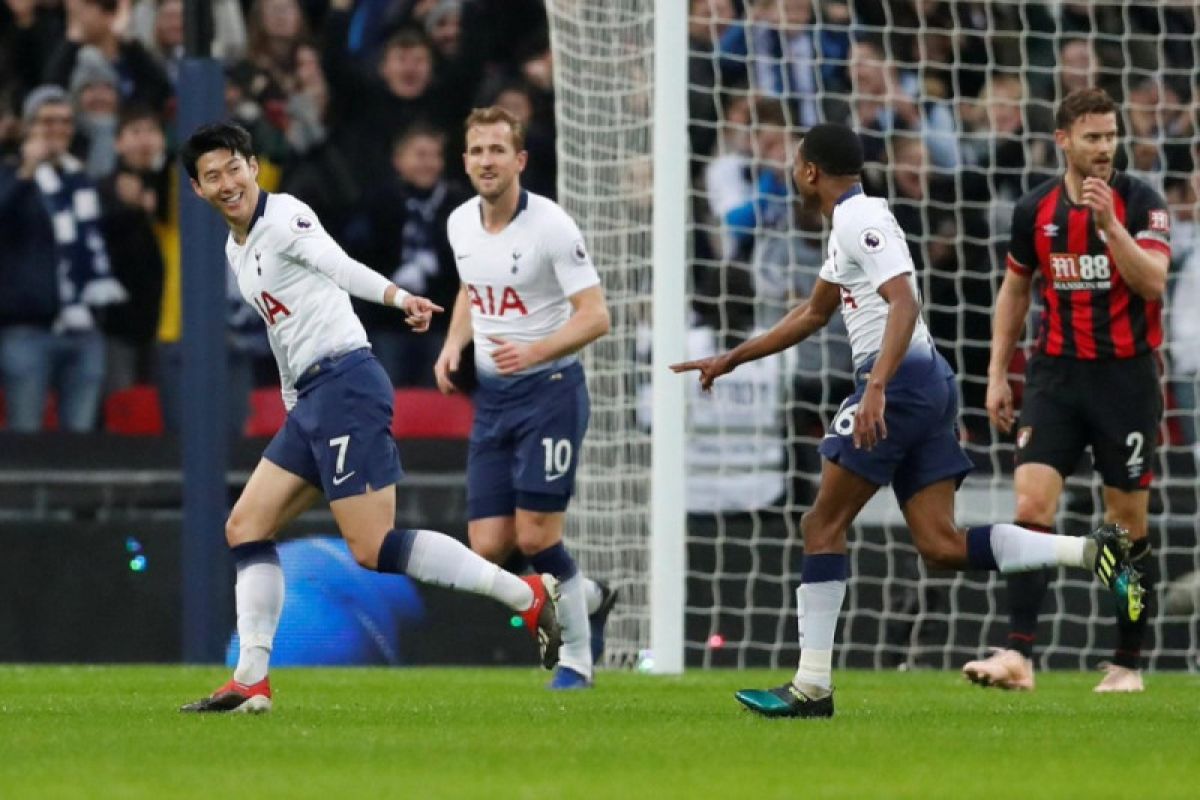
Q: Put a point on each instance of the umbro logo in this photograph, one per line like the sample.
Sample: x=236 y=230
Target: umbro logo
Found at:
x=1050 y=230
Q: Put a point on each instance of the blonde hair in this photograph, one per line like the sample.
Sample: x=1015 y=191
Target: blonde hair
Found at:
x=493 y=115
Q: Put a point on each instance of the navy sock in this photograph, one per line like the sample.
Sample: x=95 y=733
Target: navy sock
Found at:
x=979 y=549
x=395 y=551
x=254 y=553
x=555 y=560
x=821 y=567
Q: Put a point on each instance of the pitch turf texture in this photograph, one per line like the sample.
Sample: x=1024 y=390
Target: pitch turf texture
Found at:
x=337 y=734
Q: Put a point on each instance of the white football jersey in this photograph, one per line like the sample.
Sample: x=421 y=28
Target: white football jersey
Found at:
x=518 y=280
x=867 y=248
x=279 y=272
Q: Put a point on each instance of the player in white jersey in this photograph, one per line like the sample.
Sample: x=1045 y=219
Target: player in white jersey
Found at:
x=336 y=439
x=898 y=427
x=530 y=299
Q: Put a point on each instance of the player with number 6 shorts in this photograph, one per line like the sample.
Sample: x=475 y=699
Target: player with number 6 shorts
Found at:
x=1096 y=242
x=898 y=427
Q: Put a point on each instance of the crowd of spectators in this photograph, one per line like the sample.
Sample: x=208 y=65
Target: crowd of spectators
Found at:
x=356 y=107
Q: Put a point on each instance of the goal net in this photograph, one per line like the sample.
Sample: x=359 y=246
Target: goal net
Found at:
x=955 y=104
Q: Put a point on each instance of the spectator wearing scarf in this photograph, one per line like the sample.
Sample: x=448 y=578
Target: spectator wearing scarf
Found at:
x=55 y=270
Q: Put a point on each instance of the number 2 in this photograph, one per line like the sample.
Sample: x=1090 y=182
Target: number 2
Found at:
x=1135 y=441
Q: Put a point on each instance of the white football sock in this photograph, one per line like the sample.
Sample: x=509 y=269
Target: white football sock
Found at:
x=1018 y=549
x=441 y=560
x=800 y=617
x=821 y=603
x=259 y=599
x=592 y=594
x=576 y=651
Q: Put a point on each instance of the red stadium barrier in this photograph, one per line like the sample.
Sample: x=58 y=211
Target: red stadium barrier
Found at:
x=429 y=414
x=133 y=412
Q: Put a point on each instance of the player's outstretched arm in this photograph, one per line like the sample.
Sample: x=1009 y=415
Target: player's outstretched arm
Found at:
x=801 y=322
x=457 y=337
x=1008 y=320
x=589 y=321
x=418 y=311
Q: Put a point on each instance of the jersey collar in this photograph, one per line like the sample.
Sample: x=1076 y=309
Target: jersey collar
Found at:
x=854 y=190
x=522 y=204
x=259 y=209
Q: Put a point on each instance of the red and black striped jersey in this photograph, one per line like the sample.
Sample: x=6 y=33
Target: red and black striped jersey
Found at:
x=1088 y=311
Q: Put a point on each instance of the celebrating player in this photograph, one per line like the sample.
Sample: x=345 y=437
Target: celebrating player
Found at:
x=530 y=299
x=898 y=427
x=337 y=436
x=1100 y=242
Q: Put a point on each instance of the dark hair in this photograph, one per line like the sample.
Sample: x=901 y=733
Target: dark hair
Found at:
x=422 y=128
x=495 y=114
x=136 y=112
x=834 y=148
x=408 y=39
x=1080 y=103
x=215 y=136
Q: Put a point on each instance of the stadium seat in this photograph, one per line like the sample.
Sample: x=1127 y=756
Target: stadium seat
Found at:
x=266 y=414
x=429 y=414
x=133 y=412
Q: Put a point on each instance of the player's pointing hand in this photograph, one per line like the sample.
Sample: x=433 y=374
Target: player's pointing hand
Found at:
x=709 y=368
x=419 y=312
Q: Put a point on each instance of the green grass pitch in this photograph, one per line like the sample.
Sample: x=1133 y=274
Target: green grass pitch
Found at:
x=336 y=734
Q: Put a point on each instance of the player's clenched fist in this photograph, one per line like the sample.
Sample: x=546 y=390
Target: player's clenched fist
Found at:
x=709 y=368
x=419 y=312
x=446 y=363
x=1000 y=404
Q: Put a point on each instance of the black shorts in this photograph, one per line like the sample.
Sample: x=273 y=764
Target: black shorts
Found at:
x=1113 y=406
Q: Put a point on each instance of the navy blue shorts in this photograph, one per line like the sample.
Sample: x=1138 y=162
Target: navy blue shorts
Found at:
x=525 y=442
x=922 y=446
x=339 y=434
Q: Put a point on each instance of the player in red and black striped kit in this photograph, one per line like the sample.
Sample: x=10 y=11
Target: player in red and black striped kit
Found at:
x=1097 y=243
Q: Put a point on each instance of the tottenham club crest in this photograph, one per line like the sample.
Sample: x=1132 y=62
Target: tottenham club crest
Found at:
x=872 y=240
x=516 y=258
x=1023 y=436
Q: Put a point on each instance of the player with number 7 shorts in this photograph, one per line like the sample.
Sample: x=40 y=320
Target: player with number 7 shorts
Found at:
x=336 y=439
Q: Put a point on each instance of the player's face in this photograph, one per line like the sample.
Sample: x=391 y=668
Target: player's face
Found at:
x=804 y=178
x=229 y=182
x=1090 y=145
x=492 y=162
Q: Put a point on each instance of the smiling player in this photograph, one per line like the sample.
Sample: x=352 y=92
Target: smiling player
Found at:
x=337 y=436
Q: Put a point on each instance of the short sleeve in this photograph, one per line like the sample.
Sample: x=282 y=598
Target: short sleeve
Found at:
x=305 y=241
x=878 y=246
x=1147 y=219
x=1022 y=255
x=572 y=263
x=828 y=273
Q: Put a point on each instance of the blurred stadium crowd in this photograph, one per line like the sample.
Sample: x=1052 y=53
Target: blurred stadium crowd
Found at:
x=356 y=107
